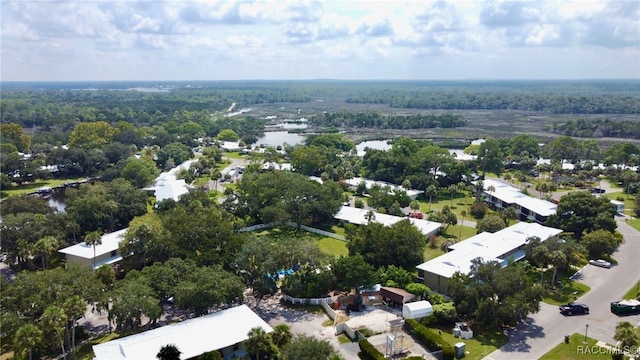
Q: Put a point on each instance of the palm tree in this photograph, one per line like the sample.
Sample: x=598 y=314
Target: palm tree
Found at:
x=169 y=352
x=479 y=188
x=27 y=337
x=627 y=176
x=370 y=216
x=25 y=251
x=491 y=189
x=259 y=342
x=626 y=334
x=414 y=205
x=281 y=335
x=45 y=247
x=431 y=191
x=463 y=213
x=93 y=238
x=142 y=234
x=453 y=189
x=215 y=176
x=75 y=308
x=112 y=207
x=54 y=319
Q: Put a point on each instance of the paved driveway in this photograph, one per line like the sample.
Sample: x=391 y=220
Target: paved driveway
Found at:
x=542 y=331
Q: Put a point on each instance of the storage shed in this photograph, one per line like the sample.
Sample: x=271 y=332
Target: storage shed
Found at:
x=395 y=296
x=416 y=310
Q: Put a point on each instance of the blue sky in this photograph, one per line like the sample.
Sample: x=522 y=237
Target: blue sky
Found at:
x=236 y=40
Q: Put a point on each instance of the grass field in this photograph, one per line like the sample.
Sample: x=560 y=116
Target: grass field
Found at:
x=571 y=291
x=332 y=246
x=577 y=349
x=634 y=223
x=452 y=233
x=634 y=292
x=483 y=343
x=235 y=155
x=327 y=245
x=85 y=352
x=629 y=201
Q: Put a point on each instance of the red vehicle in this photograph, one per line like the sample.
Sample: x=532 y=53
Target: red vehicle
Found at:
x=416 y=215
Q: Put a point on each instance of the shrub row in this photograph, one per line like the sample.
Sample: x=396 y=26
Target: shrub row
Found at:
x=429 y=339
x=368 y=351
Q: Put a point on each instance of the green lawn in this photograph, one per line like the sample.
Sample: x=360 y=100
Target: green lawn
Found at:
x=483 y=343
x=634 y=292
x=332 y=246
x=571 y=291
x=461 y=201
x=85 y=352
x=328 y=245
x=27 y=188
x=234 y=155
x=577 y=349
x=629 y=201
x=452 y=234
x=634 y=223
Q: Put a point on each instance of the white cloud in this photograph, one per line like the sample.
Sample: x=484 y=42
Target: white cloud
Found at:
x=73 y=40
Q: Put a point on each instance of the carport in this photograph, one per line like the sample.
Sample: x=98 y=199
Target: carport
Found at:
x=395 y=296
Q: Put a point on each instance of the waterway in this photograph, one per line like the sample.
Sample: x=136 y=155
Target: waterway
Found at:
x=275 y=138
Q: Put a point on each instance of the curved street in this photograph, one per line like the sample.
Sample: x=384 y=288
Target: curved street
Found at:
x=542 y=331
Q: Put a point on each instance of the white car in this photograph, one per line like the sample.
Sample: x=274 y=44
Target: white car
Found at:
x=600 y=263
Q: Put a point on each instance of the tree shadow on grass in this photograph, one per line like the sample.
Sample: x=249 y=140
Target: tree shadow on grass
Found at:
x=527 y=329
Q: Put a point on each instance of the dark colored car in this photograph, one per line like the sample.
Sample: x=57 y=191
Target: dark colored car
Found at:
x=574 y=308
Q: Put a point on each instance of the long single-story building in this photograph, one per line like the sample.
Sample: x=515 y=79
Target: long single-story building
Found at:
x=224 y=331
x=359 y=216
x=501 y=196
x=505 y=246
x=106 y=253
x=354 y=182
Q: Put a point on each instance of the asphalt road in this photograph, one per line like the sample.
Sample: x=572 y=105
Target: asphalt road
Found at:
x=544 y=330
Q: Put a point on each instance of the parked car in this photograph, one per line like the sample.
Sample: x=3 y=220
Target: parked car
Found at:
x=600 y=263
x=574 y=308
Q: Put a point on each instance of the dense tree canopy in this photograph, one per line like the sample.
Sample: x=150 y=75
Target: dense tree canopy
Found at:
x=579 y=212
x=400 y=244
x=560 y=253
x=495 y=296
x=285 y=196
x=201 y=230
x=26 y=299
x=105 y=206
x=91 y=135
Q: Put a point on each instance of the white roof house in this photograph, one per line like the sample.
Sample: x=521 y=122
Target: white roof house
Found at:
x=358 y=216
x=171 y=190
x=370 y=183
x=230 y=146
x=168 y=186
x=504 y=195
x=504 y=246
x=105 y=253
x=218 y=331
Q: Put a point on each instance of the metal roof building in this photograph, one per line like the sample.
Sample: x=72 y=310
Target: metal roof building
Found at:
x=224 y=331
x=412 y=194
x=504 y=246
x=106 y=253
x=504 y=195
x=359 y=216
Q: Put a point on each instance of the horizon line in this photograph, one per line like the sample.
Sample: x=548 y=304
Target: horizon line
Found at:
x=319 y=79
